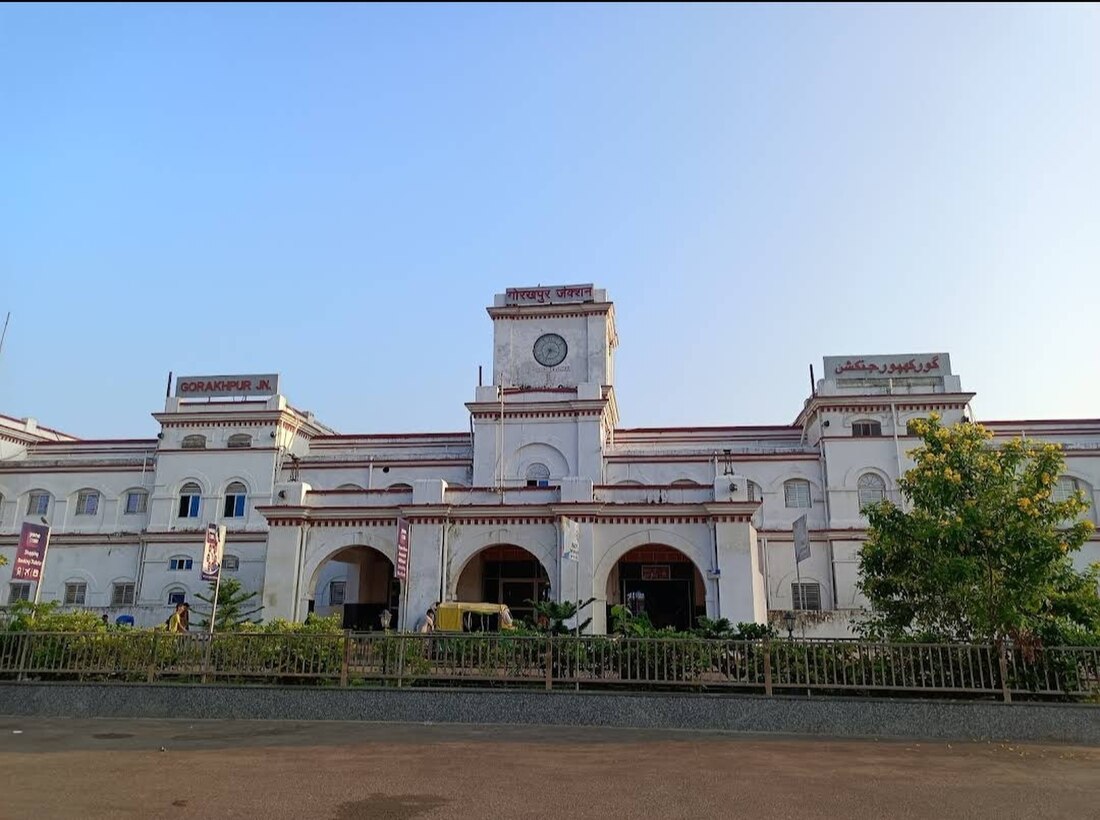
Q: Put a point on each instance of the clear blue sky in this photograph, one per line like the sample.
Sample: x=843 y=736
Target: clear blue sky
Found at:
x=335 y=193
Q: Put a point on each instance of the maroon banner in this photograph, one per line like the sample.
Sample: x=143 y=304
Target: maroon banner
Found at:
x=402 y=549
x=31 y=555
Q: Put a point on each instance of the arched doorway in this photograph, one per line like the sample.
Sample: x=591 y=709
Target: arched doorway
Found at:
x=504 y=574
x=358 y=583
x=660 y=581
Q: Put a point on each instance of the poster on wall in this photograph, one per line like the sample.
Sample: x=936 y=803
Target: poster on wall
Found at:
x=571 y=546
x=402 y=569
x=212 y=552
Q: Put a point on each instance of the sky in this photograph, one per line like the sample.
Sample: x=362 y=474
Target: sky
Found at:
x=335 y=193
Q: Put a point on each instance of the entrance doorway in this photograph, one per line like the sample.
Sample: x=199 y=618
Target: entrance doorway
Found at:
x=661 y=582
x=505 y=574
x=358 y=582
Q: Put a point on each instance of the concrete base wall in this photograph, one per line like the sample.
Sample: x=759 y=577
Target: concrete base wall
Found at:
x=833 y=717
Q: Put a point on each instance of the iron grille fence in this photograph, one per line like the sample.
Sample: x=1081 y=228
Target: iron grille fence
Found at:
x=585 y=662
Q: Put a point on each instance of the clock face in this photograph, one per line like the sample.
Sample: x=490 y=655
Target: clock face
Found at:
x=550 y=350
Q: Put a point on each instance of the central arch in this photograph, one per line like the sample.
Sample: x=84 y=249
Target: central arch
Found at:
x=504 y=574
x=358 y=583
x=660 y=581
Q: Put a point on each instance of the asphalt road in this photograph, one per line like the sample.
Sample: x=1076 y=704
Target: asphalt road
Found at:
x=90 y=769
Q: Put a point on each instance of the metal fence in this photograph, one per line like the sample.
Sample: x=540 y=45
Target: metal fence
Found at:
x=586 y=662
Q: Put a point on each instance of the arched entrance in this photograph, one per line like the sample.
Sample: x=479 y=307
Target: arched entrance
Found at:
x=660 y=581
x=358 y=583
x=504 y=574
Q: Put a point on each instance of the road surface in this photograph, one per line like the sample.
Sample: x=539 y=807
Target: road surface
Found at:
x=118 y=769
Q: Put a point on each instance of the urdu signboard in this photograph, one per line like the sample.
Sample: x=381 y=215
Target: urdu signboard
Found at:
x=905 y=366
x=206 y=387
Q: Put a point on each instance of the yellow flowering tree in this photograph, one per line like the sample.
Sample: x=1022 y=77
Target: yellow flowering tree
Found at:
x=983 y=549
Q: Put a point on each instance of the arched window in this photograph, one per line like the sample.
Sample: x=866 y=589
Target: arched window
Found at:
x=190 y=498
x=685 y=482
x=401 y=486
x=796 y=493
x=866 y=428
x=194 y=442
x=87 y=502
x=538 y=475
x=137 y=501
x=176 y=595
x=231 y=563
x=1067 y=487
x=872 y=489
x=349 y=487
x=755 y=493
x=235 y=497
x=180 y=563
x=38 y=502
x=239 y=440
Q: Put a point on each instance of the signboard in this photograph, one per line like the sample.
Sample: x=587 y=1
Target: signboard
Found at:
x=402 y=570
x=34 y=539
x=204 y=387
x=656 y=572
x=905 y=366
x=556 y=295
x=570 y=540
x=212 y=552
x=801 y=540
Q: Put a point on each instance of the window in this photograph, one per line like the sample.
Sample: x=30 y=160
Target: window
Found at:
x=336 y=591
x=866 y=429
x=239 y=440
x=137 y=501
x=400 y=486
x=38 y=503
x=176 y=596
x=538 y=475
x=190 y=495
x=122 y=594
x=194 y=442
x=909 y=431
x=180 y=562
x=235 y=495
x=872 y=489
x=806 y=596
x=685 y=482
x=87 y=502
x=19 y=592
x=231 y=563
x=349 y=487
x=755 y=493
x=75 y=592
x=1067 y=488
x=796 y=493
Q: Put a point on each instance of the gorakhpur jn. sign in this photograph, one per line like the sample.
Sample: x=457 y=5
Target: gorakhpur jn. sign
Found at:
x=212 y=386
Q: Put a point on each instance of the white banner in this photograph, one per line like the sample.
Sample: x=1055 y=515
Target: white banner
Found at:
x=801 y=540
x=212 y=552
x=570 y=540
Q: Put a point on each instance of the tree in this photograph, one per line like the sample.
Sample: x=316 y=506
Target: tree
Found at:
x=983 y=551
x=233 y=606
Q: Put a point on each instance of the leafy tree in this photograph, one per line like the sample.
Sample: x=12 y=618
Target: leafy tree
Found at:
x=234 y=606
x=983 y=551
x=551 y=616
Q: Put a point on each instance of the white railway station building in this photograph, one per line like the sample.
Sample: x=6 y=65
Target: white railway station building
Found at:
x=678 y=522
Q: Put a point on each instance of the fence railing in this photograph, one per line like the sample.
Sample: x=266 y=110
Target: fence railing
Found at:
x=588 y=662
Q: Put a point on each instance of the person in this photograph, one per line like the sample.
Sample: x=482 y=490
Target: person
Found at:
x=179 y=621
x=427 y=623
x=185 y=617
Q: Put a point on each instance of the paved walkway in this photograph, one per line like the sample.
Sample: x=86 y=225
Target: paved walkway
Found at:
x=90 y=769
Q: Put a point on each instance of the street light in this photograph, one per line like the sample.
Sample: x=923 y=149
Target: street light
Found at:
x=385 y=619
x=788 y=620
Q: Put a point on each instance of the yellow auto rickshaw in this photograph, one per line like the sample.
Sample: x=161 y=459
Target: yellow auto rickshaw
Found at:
x=460 y=616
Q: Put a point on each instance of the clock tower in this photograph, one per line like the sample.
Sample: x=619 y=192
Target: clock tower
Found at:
x=551 y=407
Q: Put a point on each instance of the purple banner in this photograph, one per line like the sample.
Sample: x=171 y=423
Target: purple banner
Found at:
x=402 y=549
x=31 y=555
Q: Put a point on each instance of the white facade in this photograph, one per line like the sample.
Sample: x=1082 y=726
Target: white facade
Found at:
x=679 y=522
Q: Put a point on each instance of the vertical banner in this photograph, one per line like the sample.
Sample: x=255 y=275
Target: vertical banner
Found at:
x=570 y=542
x=801 y=540
x=402 y=569
x=31 y=555
x=212 y=552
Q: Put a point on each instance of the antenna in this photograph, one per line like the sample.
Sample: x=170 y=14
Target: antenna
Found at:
x=4 y=333
x=813 y=382
x=168 y=389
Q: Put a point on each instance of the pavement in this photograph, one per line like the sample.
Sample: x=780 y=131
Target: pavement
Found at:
x=108 y=768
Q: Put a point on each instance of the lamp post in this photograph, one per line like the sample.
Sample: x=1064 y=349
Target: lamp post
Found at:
x=385 y=619
x=788 y=620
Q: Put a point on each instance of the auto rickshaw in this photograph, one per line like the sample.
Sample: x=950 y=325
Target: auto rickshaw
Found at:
x=460 y=616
